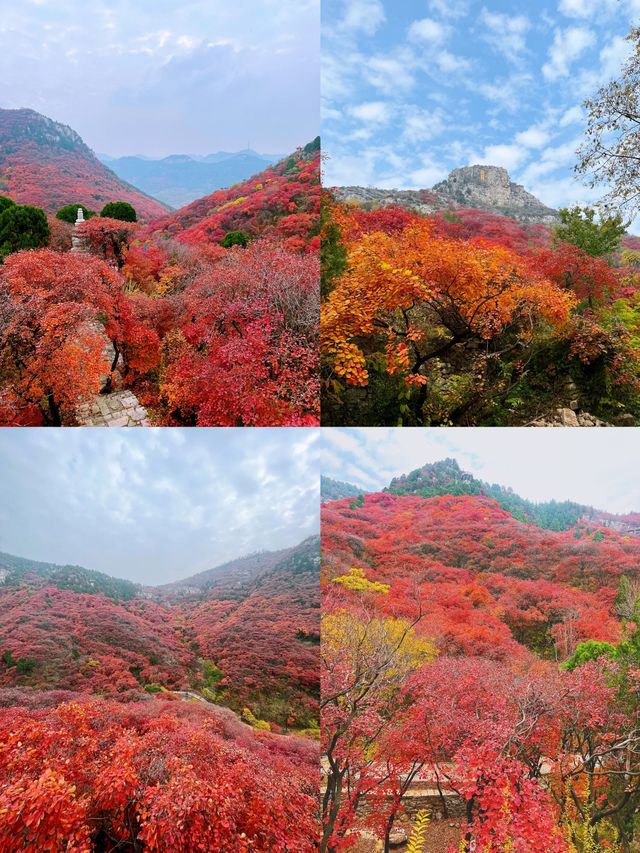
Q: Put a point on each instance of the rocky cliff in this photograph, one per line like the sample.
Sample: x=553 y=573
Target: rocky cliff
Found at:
x=484 y=187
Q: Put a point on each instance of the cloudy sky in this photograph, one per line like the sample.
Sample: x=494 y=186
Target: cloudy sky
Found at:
x=415 y=88
x=597 y=467
x=158 y=77
x=156 y=505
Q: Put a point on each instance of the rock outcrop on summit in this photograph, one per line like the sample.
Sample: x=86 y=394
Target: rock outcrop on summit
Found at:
x=483 y=187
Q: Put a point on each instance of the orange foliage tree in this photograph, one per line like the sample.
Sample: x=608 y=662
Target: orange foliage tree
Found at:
x=423 y=295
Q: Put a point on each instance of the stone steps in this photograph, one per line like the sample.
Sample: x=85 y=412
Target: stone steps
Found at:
x=118 y=409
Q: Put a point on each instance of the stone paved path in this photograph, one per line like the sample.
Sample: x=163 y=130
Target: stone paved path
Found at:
x=119 y=409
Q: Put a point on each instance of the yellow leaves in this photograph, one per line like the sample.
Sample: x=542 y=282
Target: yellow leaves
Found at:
x=419 y=832
x=391 y=645
x=350 y=364
x=357 y=581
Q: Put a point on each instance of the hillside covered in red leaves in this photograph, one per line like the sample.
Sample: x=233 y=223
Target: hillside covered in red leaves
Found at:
x=250 y=641
x=482 y=656
x=282 y=202
x=88 y=774
x=46 y=164
x=210 y=319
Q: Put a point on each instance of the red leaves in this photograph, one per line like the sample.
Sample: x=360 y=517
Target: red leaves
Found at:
x=43 y=815
x=249 y=352
x=493 y=719
x=51 y=348
x=177 y=778
x=285 y=203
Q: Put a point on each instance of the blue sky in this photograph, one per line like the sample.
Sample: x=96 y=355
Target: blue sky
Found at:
x=414 y=88
x=597 y=467
x=156 y=505
x=158 y=77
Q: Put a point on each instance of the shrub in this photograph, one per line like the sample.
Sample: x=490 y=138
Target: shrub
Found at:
x=22 y=227
x=69 y=213
x=6 y=202
x=234 y=238
x=121 y=210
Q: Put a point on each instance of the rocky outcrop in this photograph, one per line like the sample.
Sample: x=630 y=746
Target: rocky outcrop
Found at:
x=482 y=187
x=490 y=187
x=569 y=417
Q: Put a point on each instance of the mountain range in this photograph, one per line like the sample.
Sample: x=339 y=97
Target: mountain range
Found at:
x=46 y=164
x=182 y=178
x=242 y=634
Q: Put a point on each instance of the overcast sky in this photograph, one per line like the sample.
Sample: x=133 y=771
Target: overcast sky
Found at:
x=156 y=505
x=158 y=77
x=597 y=467
x=413 y=89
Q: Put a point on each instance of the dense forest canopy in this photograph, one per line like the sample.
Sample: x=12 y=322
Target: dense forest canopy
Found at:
x=488 y=651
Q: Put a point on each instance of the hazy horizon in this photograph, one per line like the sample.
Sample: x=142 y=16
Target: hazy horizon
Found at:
x=156 y=505
x=214 y=565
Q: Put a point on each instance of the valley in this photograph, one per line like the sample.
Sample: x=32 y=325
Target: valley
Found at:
x=179 y=179
x=149 y=709
x=243 y=633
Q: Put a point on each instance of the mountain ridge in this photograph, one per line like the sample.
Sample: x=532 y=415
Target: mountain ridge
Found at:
x=482 y=187
x=14 y=568
x=446 y=477
x=179 y=179
x=47 y=164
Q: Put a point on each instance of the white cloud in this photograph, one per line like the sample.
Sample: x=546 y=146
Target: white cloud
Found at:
x=534 y=137
x=579 y=8
x=585 y=9
x=389 y=74
x=507 y=156
x=363 y=16
x=573 y=115
x=506 y=33
x=568 y=45
x=421 y=125
x=428 y=30
x=450 y=63
x=427 y=175
x=449 y=8
x=372 y=112
x=507 y=94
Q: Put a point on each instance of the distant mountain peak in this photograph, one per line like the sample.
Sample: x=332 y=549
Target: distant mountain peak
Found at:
x=47 y=164
x=29 y=124
x=483 y=187
x=491 y=187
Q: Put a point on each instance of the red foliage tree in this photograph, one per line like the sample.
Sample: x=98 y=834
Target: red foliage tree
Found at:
x=86 y=776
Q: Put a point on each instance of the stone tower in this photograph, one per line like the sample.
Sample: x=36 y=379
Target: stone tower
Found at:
x=79 y=243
